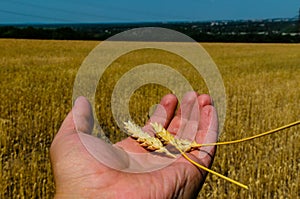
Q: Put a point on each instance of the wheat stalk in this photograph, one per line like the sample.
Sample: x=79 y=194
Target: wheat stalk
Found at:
x=163 y=138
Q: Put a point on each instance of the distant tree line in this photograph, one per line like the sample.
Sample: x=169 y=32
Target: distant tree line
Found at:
x=62 y=33
x=243 y=31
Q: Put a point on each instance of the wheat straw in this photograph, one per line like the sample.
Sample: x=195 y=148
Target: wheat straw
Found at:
x=250 y=138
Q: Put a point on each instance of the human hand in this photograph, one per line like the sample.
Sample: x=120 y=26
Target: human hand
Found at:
x=78 y=172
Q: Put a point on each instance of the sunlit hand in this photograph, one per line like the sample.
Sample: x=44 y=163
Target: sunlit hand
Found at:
x=79 y=174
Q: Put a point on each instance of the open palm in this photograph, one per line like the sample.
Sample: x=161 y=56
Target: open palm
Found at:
x=78 y=172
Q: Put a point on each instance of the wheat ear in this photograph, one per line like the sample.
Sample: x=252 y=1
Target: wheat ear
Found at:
x=145 y=140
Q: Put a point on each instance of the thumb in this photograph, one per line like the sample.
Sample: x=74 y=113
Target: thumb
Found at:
x=83 y=116
x=79 y=119
x=66 y=149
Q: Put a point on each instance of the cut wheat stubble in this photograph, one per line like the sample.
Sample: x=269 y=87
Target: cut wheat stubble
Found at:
x=163 y=138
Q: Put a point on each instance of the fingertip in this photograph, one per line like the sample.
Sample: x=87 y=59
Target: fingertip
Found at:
x=190 y=96
x=81 y=101
x=204 y=100
x=169 y=101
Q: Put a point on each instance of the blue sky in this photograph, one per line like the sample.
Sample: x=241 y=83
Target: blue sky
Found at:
x=99 y=11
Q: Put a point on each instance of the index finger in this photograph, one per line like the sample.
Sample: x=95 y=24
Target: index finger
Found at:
x=164 y=112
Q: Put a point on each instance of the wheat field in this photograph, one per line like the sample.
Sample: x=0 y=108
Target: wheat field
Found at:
x=262 y=88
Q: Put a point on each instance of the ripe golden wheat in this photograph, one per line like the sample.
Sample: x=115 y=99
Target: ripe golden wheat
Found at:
x=262 y=92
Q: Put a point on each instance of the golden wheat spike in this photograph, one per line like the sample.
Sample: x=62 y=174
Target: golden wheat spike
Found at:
x=145 y=140
x=167 y=138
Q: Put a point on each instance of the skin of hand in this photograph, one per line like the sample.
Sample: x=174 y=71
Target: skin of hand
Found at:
x=78 y=174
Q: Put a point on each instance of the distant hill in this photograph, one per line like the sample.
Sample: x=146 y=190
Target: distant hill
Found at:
x=270 y=30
